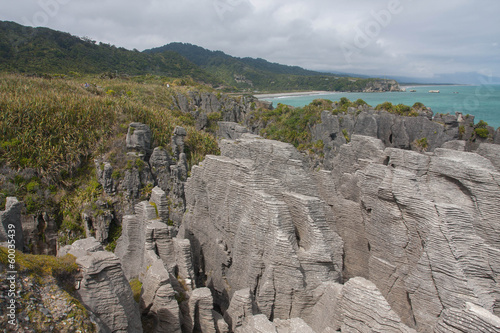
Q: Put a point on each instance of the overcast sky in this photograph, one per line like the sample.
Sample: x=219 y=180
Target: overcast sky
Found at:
x=418 y=38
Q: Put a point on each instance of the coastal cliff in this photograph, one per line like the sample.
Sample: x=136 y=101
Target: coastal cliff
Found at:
x=374 y=232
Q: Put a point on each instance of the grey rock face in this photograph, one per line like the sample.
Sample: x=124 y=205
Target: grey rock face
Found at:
x=178 y=141
x=471 y=318
x=241 y=307
x=415 y=234
x=106 y=292
x=81 y=248
x=130 y=247
x=159 y=198
x=40 y=233
x=230 y=130
x=423 y=220
x=394 y=131
x=11 y=229
x=200 y=310
x=160 y=163
x=144 y=238
x=139 y=138
x=491 y=152
x=364 y=309
x=97 y=221
x=104 y=172
x=158 y=299
x=254 y=218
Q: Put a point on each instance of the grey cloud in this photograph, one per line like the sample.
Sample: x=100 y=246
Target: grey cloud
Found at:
x=416 y=38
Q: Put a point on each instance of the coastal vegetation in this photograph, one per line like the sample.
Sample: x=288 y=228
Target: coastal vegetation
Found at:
x=293 y=124
x=53 y=127
x=45 y=51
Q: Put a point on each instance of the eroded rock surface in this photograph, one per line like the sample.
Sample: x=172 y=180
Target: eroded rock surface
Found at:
x=415 y=234
x=255 y=221
x=11 y=229
x=106 y=292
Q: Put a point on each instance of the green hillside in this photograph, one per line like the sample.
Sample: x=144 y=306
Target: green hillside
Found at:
x=42 y=50
x=261 y=75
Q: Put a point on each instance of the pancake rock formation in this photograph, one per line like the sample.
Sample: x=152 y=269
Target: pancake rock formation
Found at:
x=387 y=240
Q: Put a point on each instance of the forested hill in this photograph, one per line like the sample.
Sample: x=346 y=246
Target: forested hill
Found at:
x=206 y=58
x=262 y=75
x=42 y=50
x=46 y=51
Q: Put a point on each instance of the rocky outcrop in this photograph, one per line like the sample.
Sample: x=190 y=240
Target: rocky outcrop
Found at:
x=363 y=308
x=158 y=300
x=381 y=85
x=201 y=311
x=104 y=173
x=40 y=233
x=254 y=218
x=413 y=234
x=414 y=208
x=105 y=291
x=81 y=248
x=230 y=130
x=139 y=138
x=417 y=133
x=97 y=220
x=202 y=103
x=11 y=229
x=471 y=318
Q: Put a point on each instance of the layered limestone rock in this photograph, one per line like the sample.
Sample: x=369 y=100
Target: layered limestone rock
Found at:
x=429 y=226
x=146 y=236
x=81 y=248
x=158 y=299
x=106 y=292
x=11 y=229
x=201 y=311
x=139 y=138
x=201 y=103
x=364 y=309
x=414 y=234
x=230 y=130
x=394 y=130
x=255 y=221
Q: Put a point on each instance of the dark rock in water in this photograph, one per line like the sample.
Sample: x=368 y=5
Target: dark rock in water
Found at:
x=139 y=138
x=11 y=229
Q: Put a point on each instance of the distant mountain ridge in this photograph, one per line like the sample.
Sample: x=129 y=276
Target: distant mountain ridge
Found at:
x=203 y=58
x=262 y=75
x=42 y=50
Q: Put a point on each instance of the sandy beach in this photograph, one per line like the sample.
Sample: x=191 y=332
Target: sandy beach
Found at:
x=291 y=94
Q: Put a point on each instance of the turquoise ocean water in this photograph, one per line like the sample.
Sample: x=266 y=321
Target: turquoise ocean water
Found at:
x=481 y=101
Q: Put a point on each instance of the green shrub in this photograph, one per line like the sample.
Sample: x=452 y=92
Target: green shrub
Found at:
x=482 y=132
x=422 y=144
x=136 y=287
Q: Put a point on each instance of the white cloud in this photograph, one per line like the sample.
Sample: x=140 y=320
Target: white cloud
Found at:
x=389 y=36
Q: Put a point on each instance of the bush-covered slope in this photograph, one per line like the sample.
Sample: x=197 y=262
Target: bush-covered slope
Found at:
x=43 y=50
x=262 y=75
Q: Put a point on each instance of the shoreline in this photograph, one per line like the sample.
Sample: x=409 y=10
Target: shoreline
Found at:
x=293 y=94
